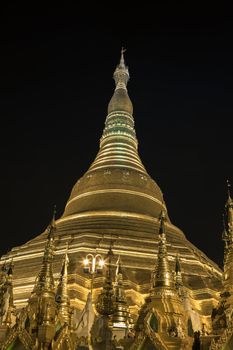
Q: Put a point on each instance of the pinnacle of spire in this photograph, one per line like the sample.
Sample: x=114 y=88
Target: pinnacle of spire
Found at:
x=228 y=189
x=122 y=60
x=229 y=202
x=162 y=276
x=121 y=74
x=62 y=297
x=120 y=101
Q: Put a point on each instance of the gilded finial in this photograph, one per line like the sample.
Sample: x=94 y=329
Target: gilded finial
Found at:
x=122 y=60
x=120 y=101
x=228 y=189
x=229 y=203
x=121 y=74
x=122 y=50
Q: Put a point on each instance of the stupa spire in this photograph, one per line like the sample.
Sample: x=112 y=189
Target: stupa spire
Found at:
x=45 y=280
x=118 y=144
x=122 y=60
x=227 y=237
x=117 y=177
x=162 y=276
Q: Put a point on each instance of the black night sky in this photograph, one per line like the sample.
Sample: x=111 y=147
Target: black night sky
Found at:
x=56 y=81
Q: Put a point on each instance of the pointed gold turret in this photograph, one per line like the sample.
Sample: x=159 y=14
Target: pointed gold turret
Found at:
x=42 y=304
x=227 y=235
x=45 y=280
x=162 y=277
x=220 y=315
x=228 y=238
x=62 y=297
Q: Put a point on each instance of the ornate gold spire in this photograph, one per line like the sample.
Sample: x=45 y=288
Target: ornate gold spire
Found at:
x=62 y=297
x=120 y=316
x=229 y=190
x=121 y=74
x=227 y=236
x=105 y=301
x=162 y=274
x=117 y=179
x=118 y=145
x=45 y=280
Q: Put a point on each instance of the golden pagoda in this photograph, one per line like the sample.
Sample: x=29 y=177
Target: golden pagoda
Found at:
x=116 y=201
